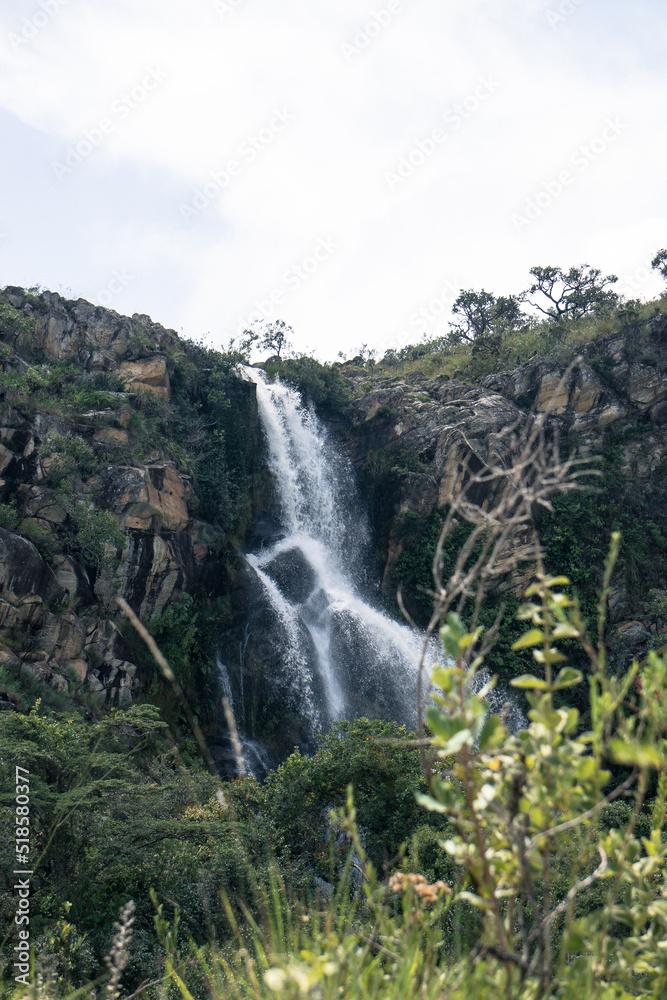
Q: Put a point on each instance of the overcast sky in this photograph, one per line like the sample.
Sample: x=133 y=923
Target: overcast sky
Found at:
x=346 y=165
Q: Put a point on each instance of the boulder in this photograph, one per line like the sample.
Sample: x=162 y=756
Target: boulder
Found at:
x=293 y=574
x=23 y=572
x=145 y=499
x=147 y=375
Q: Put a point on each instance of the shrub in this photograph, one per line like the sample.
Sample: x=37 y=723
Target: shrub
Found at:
x=9 y=516
x=71 y=456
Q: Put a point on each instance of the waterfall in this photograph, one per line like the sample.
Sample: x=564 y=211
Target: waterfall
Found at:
x=255 y=758
x=338 y=655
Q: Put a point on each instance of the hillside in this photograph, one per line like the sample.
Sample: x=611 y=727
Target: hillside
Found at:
x=134 y=465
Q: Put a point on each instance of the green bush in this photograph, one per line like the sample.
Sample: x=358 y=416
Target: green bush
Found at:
x=46 y=543
x=373 y=756
x=321 y=384
x=89 y=533
x=71 y=456
x=9 y=516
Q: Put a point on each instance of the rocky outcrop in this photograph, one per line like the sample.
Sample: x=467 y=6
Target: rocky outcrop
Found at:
x=124 y=525
x=97 y=338
x=429 y=429
x=62 y=567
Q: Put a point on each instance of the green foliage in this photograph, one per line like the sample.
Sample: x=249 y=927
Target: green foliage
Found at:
x=275 y=337
x=527 y=814
x=187 y=633
x=9 y=516
x=319 y=383
x=114 y=814
x=537 y=337
x=480 y=315
x=71 y=456
x=60 y=385
x=659 y=263
x=414 y=567
x=15 y=326
x=46 y=543
x=374 y=757
x=574 y=534
x=210 y=429
x=96 y=532
x=414 y=573
x=571 y=294
x=91 y=534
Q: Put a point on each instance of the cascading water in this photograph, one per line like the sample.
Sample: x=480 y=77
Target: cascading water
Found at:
x=311 y=648
x=254 y=757
x=339 y=657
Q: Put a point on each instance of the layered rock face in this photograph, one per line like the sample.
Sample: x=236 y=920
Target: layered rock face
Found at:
x=618 y=387
x=58 y=611
x=125 y=527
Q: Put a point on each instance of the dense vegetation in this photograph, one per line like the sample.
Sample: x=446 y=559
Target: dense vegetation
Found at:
x=465 y=863
x=525 y=865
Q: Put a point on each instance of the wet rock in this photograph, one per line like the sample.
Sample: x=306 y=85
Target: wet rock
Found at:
x=293 y=574
x=151 y=573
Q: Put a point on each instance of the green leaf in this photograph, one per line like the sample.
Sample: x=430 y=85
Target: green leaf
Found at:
x=469 y=638
x=532 y=638
x=529 y=681
x=428 y=802
x=548 y=655
x=444 y=678
x=442 y=725
x=640 y=754
x=493 y=732
x=568 y=677
x=454 y=744
x=565 y=631
x=450 y=641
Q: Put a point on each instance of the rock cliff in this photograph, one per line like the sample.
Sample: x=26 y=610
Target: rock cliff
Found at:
x=131 y=464
x=94 y=502
x=410 y=436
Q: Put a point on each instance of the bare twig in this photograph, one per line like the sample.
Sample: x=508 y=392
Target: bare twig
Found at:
x=171 y=677
x=234 y=736
x=582 y=817
x=574 y=892
x=522 y=473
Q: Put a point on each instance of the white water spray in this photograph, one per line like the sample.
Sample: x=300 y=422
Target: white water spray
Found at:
x=341 y=657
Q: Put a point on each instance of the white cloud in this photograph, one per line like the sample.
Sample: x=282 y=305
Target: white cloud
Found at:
x=324 y=174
